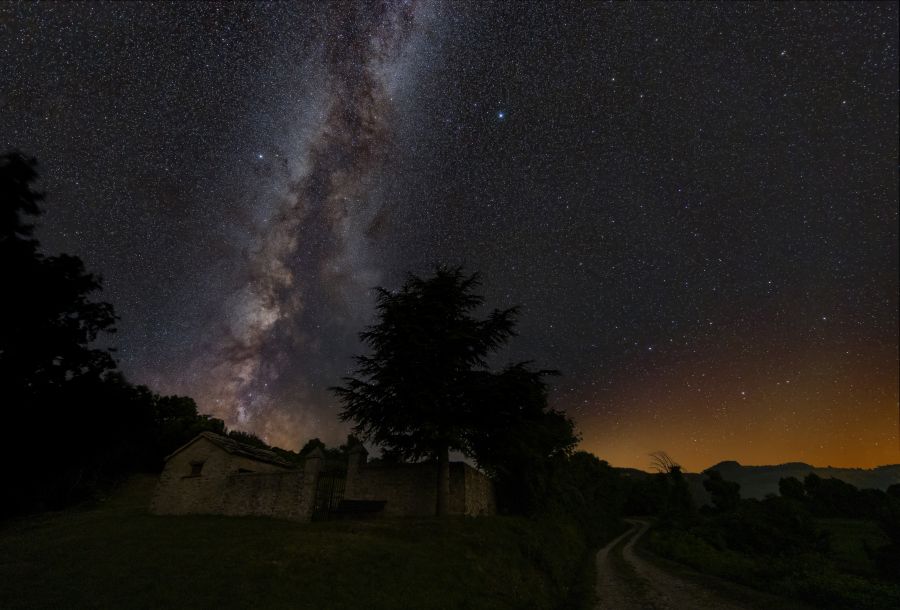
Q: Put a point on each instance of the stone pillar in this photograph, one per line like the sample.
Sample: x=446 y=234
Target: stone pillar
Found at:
x=356 y=459
x=311 y=468
x=313 y=464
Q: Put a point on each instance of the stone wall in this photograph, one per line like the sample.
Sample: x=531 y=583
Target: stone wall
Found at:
x=233 y=485
x=230 y=484
x=479 y=493
x=283 y=495
x=410 y=490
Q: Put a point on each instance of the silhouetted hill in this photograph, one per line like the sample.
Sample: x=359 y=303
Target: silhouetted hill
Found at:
x=757 y=481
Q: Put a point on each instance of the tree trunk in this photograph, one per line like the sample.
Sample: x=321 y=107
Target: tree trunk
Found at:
x=443 y=482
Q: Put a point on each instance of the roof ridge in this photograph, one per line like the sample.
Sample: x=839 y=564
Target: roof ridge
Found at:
x=236 y=447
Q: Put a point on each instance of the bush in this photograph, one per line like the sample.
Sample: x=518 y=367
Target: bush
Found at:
x=807 y=575
x=888 y=557
x=773 y=527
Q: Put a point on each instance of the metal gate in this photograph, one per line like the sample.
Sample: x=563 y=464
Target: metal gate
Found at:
x=329 y=493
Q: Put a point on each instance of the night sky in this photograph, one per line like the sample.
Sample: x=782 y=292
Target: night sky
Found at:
x=695 y=204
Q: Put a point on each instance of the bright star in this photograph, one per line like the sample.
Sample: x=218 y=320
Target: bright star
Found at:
x=501 y=115
x=259 y=156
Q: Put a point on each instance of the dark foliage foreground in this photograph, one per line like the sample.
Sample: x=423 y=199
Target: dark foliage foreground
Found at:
x=817 y=541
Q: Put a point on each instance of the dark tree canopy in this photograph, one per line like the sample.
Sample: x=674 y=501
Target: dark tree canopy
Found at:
x=425 y=389
x=410 y=393
x=17 y=173
x=725 y=495
x=76 y=420
x=77 y=423
x=518 y=440
x=791 y=488
x=248 y=438
x=49 y=321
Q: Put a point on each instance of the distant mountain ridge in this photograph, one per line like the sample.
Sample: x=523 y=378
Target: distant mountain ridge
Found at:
x=759 y=481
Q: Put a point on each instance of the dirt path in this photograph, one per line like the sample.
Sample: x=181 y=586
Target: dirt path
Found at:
x=626 y=581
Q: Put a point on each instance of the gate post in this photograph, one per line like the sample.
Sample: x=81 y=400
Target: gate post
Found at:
x=356 y=459
x=313 y=463
x=311 y=468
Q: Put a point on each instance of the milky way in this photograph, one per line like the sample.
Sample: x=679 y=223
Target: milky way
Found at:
x=317 y=237
x=695 y=204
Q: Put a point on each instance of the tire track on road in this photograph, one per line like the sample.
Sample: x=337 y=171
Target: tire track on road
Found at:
x=626 y=581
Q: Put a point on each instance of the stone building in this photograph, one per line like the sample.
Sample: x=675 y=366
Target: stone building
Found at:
x=214 y=474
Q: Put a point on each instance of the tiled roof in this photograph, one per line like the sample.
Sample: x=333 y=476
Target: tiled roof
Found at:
x=235 y=448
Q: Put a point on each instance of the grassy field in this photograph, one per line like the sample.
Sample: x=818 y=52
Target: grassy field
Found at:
x=116 y=555
x=842 y=578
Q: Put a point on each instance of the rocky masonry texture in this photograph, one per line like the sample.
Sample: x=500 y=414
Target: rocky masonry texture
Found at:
x=411 y=489
x=217 y=475
x=205 y=477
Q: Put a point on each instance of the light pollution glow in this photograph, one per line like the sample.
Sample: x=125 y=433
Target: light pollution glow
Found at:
x=838 y=409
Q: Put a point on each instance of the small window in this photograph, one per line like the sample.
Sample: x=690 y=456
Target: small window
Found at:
x=196 y=468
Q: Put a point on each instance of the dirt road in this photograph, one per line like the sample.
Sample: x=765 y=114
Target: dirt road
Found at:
x=627 y=581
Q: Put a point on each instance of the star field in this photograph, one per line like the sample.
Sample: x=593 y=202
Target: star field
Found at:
x=696 y=204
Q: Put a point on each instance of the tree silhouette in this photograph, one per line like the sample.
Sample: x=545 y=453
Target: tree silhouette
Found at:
x=76 y=422
x=17 y=172
x=47 y=320
x=672 y=489
x=248 y=438
x=50 y=373
x=414 y=395
x=516 y=438
x=725 y=495
x=791 y=488
x=661 y=462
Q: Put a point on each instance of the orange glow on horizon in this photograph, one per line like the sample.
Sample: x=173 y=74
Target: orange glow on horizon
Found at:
x=826 y=409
